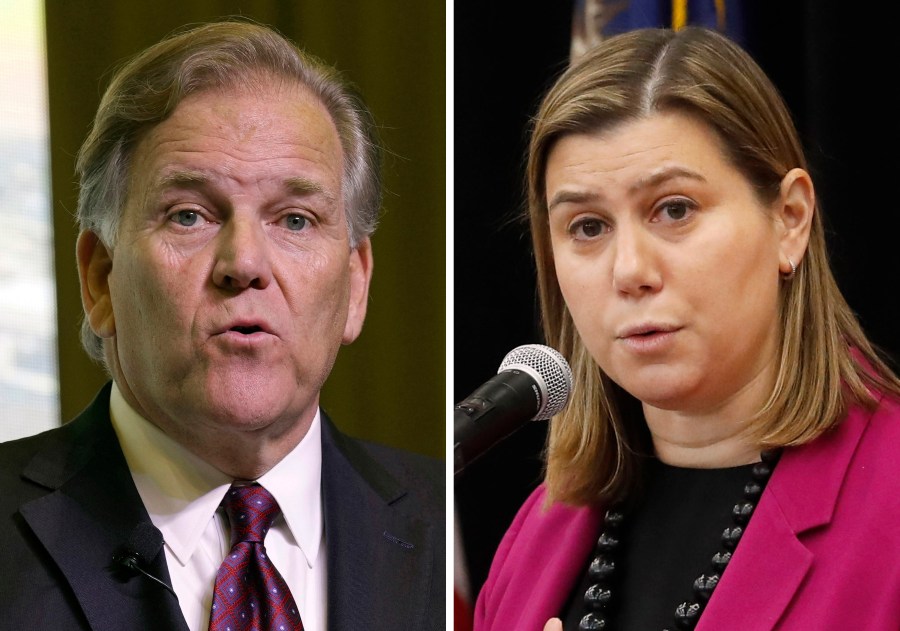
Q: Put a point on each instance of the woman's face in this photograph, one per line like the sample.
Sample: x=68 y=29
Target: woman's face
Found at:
x=667 y=260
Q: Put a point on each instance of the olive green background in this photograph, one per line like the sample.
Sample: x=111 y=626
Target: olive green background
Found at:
x=389 y=385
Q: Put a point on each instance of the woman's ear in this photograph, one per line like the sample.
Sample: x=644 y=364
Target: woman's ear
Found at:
x=94 y=266
x=794 y=212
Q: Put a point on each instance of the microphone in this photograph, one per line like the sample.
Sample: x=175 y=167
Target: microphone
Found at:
x=532 y=383
x=143 y=544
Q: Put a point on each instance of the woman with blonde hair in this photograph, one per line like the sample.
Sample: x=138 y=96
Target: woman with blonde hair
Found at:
x=728 y=456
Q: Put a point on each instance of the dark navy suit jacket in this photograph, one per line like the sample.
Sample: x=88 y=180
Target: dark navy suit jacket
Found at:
x=69 y=503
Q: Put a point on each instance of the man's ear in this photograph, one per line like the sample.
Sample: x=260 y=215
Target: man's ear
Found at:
x=361 y=264
x=794 y=214
x=94 y=266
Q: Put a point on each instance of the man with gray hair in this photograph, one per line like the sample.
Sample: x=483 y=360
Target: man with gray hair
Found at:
x=229 y=188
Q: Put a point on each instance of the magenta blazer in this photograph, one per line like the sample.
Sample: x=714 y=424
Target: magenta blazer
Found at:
x=822 y=552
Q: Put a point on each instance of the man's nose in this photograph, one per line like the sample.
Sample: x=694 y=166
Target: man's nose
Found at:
x=242 y=255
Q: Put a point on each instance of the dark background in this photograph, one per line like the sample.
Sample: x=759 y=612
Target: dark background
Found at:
x=834 y=67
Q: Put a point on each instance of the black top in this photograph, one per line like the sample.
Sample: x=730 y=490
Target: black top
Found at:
x=668 y=540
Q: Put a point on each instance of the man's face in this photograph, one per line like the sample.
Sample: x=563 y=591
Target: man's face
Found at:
x=232 y=283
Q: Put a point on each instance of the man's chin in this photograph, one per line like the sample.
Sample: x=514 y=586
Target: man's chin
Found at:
x=251 y=403
x=253 y=416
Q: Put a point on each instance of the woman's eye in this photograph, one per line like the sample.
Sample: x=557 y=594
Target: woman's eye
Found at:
x=187 y=218
x=296 y=222
x=587 y=228
x=676 y=210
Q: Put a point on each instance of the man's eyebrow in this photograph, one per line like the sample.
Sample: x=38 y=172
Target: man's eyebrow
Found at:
x=304 y=186
x=176 y=179
x=298 y=185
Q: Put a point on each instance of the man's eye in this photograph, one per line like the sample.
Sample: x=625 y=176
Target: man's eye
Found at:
x=296 y=222
x=186 y=218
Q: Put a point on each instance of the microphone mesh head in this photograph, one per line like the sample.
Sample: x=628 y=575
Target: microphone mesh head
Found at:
x=549 y=368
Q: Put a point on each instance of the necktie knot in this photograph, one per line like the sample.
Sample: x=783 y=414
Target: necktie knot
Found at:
x=250 y=594
x=251 y=509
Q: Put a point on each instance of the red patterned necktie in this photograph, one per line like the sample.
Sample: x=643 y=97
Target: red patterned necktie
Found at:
x=250 y=594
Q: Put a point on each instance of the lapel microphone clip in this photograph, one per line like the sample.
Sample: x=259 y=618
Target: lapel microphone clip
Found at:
x=142 y=546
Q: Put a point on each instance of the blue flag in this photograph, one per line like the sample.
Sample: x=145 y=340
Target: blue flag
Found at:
x=594 y=20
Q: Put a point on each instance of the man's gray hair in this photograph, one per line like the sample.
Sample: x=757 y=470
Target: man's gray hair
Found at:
x=146 y=90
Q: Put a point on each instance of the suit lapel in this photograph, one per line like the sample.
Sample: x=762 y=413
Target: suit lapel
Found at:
x=380 y=559
x=90 y=510
x=772 y=560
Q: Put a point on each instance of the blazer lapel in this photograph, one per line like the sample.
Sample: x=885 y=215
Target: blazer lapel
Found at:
x=543 y=592
x=771 y=561
x=759 y=583
x=381 y=563
x=91 y=508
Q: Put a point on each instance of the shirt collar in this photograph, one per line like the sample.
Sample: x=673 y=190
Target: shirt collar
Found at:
x=182 y=492
x=296 y=484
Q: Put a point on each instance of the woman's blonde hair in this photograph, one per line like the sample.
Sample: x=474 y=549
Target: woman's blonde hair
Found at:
x=595 y=444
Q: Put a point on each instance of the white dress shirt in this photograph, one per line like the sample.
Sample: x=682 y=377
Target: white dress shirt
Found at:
x=182 y=494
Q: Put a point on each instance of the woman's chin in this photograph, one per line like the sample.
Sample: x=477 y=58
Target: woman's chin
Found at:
x=661 y=392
